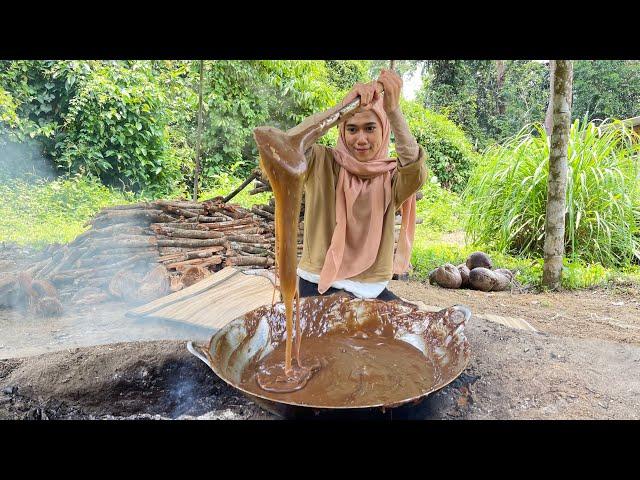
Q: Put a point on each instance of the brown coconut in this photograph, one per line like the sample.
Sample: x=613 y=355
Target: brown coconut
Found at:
x=483 y=279
x=503 y=282
x=464 y=273
x=506 y=272
x=479 y=259
x=432 y=276
x=448 y=276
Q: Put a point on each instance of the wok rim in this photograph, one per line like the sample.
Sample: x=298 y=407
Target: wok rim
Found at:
x=422 y=396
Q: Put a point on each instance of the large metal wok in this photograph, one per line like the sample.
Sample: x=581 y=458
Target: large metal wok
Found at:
x=438 y=335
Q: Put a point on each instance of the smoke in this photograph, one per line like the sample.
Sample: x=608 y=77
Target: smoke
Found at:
x=23 y=160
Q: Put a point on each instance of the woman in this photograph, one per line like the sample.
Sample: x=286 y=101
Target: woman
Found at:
x=352 y=193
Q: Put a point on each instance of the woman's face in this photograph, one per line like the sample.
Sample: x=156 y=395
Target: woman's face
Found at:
x=363 y=135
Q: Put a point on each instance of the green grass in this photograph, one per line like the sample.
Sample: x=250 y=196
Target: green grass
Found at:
x=38 y=213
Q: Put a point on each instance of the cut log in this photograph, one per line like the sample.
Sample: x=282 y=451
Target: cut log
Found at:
x=178 y=204
x=186 y=212
x=197 y=234
x=131 y=206
x=191 y=243
x=129 y=241
x=262 y=213
x=249 y=261
x=232 y=223
x=101 y=251
x=246 y=238
x=129 y=216
x=181 y=225
x=268 y=208
x=228 y=210
x=261 y=189
x=206 y=262
x=245 y=246
x=179 y=257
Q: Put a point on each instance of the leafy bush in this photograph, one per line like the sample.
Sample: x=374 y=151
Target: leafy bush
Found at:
x=451 y=155
x=507 y=191
x=441 y=211
x=116 y=129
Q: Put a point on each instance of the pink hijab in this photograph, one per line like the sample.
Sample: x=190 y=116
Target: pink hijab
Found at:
x=363 y=195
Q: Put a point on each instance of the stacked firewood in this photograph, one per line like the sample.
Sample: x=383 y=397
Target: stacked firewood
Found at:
x=142 y=251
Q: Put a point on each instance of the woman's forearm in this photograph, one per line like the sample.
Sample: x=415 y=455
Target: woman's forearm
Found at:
x=406 y=145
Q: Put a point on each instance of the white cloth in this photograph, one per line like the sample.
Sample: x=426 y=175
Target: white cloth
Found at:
x=359 y=289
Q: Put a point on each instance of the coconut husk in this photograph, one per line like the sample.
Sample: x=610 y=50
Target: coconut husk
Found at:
x=448 y=276
x=464 y=274
x=506 y=272
x=483 y=279
x=479 y=259
x=503 y=282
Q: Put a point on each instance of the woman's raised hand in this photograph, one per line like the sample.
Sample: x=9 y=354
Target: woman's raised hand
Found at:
x=367 y=93
x=392 y=83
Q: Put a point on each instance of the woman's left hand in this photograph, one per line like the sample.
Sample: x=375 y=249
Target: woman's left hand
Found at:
x=392 y=83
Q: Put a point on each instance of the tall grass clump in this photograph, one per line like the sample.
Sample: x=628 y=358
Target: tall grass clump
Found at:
x=507 y=191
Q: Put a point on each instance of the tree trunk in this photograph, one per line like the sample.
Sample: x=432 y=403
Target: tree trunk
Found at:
x=548 y=120
x=499 y=83
x=557 y=181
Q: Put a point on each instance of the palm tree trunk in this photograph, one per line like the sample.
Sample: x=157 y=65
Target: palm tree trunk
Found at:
x=557 y=181
x=548 y=119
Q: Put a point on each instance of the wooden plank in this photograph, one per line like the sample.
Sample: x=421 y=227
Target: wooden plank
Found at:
x=229 y=295
x=193 y=290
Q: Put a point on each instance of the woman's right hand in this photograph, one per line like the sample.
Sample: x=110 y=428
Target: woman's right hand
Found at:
x=367 y=92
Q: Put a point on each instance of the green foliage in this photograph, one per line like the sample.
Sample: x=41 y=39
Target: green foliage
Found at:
x=344 y=74
x=241 y=95
x=469 y=93
x=606 y=89
x=441 y=211
x=41 y=213
x=506 y=195
x=402 y=67
x=8 y=115
x=116 y=129
x=450 y=154
x=524 y=96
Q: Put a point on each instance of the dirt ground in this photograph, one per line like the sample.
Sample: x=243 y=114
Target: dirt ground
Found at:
x=583 y=363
